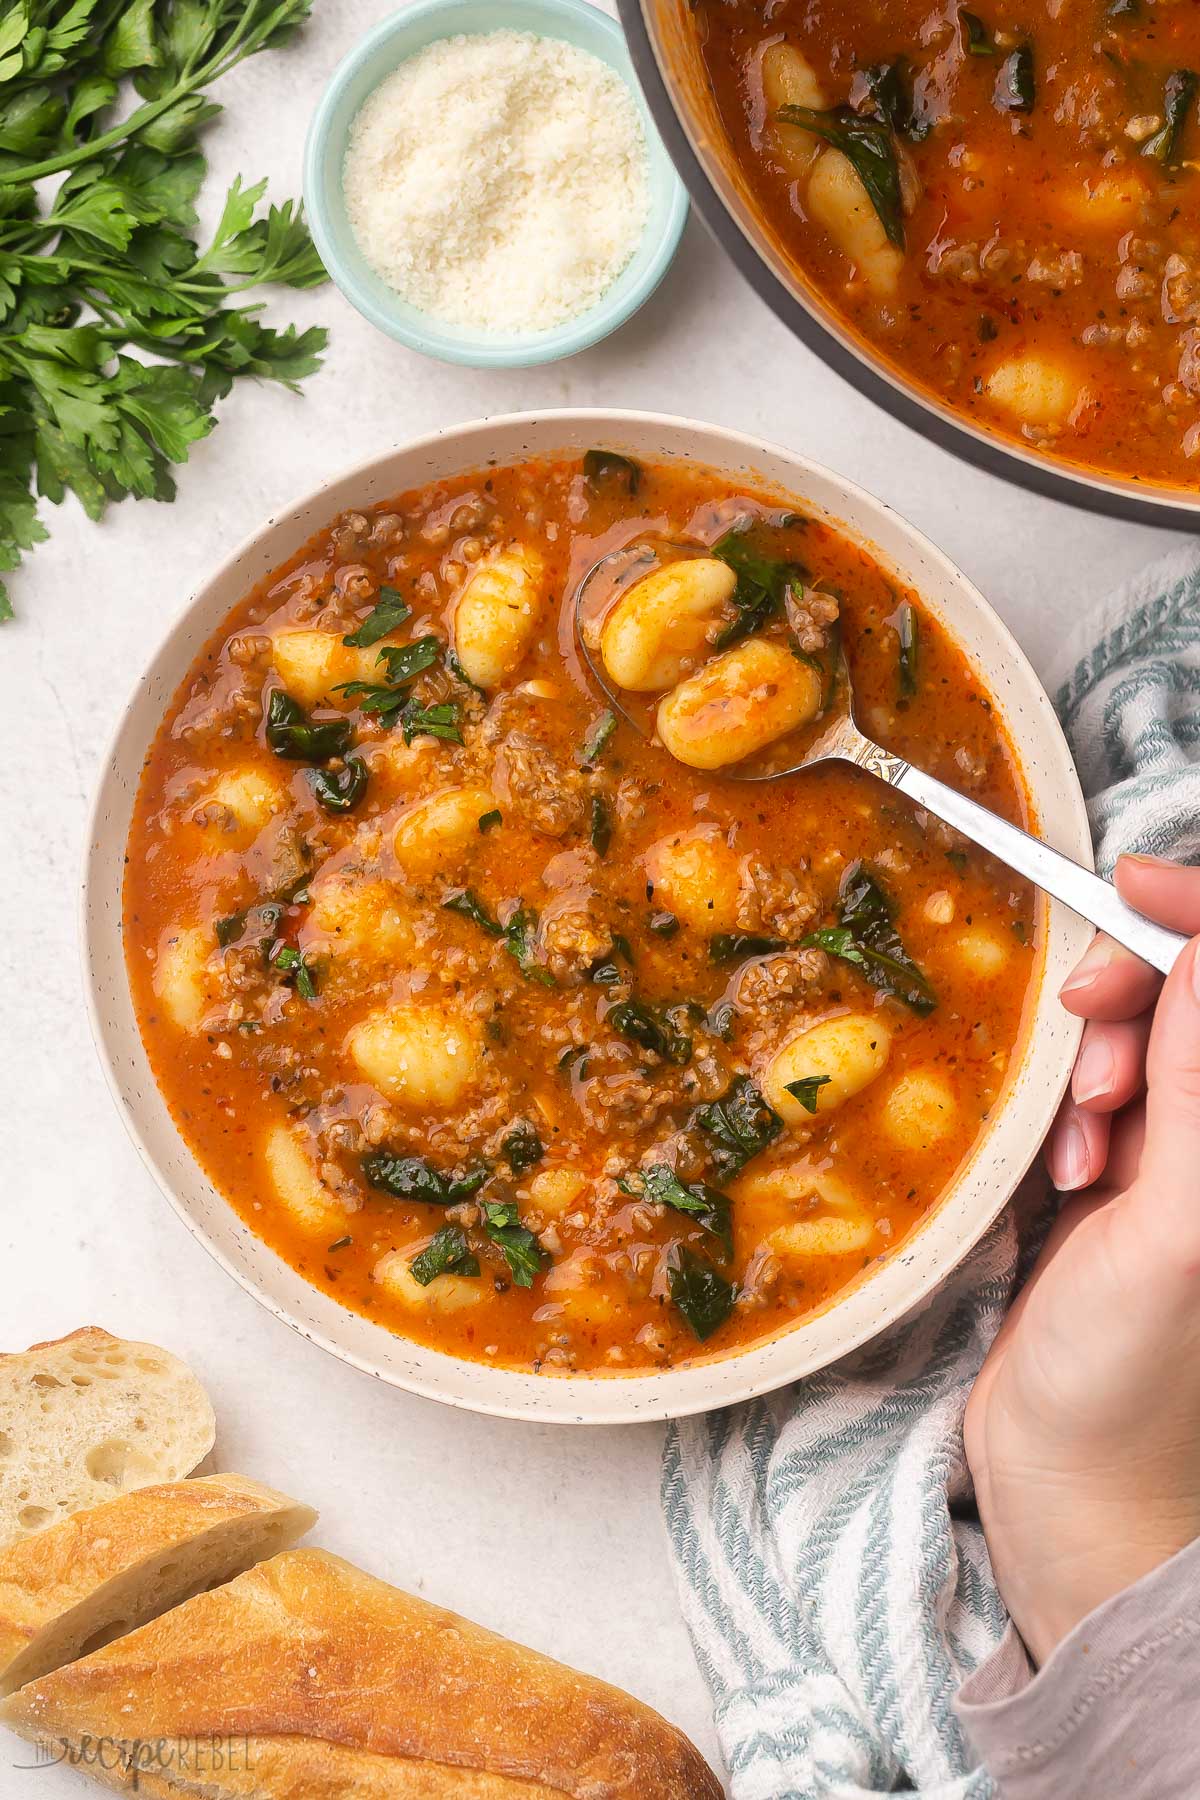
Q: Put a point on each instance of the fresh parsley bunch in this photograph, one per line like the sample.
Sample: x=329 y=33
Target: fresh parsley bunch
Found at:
x=117 y=331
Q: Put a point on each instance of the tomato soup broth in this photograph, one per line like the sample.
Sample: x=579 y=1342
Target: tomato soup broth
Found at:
x=507 y=1029
x=1030 y=247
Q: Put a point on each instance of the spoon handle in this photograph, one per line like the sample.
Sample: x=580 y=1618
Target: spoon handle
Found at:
x=1091 y=897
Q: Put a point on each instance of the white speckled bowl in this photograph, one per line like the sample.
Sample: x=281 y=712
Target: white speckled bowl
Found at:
x=882 y=1294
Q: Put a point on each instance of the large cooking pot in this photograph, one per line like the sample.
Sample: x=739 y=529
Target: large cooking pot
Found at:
x=666 y=55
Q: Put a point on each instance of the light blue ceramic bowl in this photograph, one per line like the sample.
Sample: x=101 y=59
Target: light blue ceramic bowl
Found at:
x=359 y=73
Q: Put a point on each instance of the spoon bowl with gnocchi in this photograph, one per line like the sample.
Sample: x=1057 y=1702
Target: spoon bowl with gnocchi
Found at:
x=515 y=1061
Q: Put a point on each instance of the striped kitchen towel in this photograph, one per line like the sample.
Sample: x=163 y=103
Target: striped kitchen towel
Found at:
x=835 y=1584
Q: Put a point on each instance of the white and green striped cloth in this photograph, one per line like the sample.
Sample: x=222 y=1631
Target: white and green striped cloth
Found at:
x=834 y=1581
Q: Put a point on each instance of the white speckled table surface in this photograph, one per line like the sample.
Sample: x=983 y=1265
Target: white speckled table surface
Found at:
x=552 y=1536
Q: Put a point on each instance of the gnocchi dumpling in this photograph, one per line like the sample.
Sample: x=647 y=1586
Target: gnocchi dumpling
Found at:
x=311 y=664
x=555 y=1191
x=842 y=1226
x=1113 y=201
x=850 y=1051
x=240 y=804
x=576 y=1286
x=737 y=704
x=420 y=1056
x=1035 y=388
x=444 y=1294
x=695 y=875
x=831 y=1234
x=350 y=914
x=981 y=953
x=921 y=1110
x=435 y=834
x=497 y=614
x=789 y=79
x=837 y=200
x=660 y=625
x=186 y=978
x=297 y=1183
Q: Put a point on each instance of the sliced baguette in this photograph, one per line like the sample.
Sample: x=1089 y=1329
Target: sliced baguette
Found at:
x=321 y=1682
x=80 y=1583
x=89 y=1416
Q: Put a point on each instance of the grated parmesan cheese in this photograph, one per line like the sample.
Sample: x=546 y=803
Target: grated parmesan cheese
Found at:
x=499 y=182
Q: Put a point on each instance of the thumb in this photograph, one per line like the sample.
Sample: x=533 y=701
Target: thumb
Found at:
x=1170 y=1167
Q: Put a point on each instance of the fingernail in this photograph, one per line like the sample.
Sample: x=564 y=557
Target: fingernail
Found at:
x=1091 y=964
x=1196 y=968
x=1069 y=1165
x=1147 y=862
x=1095 y=1069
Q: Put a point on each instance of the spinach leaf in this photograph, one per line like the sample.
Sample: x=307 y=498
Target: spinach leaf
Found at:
x=466 y=902
x=521 y=1147
x=663 y=924
x=521 y=1250
x=735 y=946
x=866 y=937
x=762 y=583
x=601 y=826
x=720 y=1020
x=341 y=792
x=1178 y=95
x=293 y=735
x=738 y=1125
x=703 y=1297
x=441 y=721
x=653 y=1027
x=404 y=662
x=489 y=820
x=415 y=1178
x=258 y=922
x=389 y=612
x=606 y=469
x=598 y=734
x=908 y=632
x=662 y=1187
x=890 y=86
x=607 y=972
x=1015 y=87
x=293 y=962
x=806 y=1090
x=520 y=940
x=447 y=1254
x=977 y=39
x=866 y=144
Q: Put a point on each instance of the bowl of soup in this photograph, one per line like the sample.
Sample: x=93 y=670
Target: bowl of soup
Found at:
x=510 y=1056
x=986 y=219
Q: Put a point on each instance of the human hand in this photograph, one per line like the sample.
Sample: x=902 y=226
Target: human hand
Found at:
x=1083 y=1429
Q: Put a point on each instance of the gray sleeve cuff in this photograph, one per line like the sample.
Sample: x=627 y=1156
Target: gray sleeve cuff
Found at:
x=1113 y=1712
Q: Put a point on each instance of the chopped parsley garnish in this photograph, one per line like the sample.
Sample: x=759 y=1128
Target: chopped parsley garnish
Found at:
x=447 y=1253
x=339 y=792
x=866 y=937
x=867 y=145
x=441 y=721
x=520 y=940
x=598 y=734
x=977 y=39
x=415 y=1178
x=738 y=1126
x=404 y=662
x=256 y=922
x=1015 y=87
x=807 y=1089
x=294 y=963
x=466 y=902
x=488 y=821
x=1178 y=95
x=521 y=1147
x=293 y=735
x=520 y=1247
x=703 y=1296
x=387 y=615
x=663 y=924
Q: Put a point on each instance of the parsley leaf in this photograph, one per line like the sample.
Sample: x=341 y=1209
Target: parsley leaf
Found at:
x=521 y=1250
x=292 y=961
x=599 y=732
x=388 y=613
x=807 y=1089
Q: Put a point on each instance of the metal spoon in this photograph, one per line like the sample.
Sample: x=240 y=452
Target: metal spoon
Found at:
x=1088 y=895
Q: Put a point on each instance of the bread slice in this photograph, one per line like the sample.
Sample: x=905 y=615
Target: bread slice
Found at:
x=89 y=1416
x=82 y=1582
x=307 y=1680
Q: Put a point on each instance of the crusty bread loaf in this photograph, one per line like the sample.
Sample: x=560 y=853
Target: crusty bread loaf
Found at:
x=322 y=1682
x=89 y=1416
x=80 y=1583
